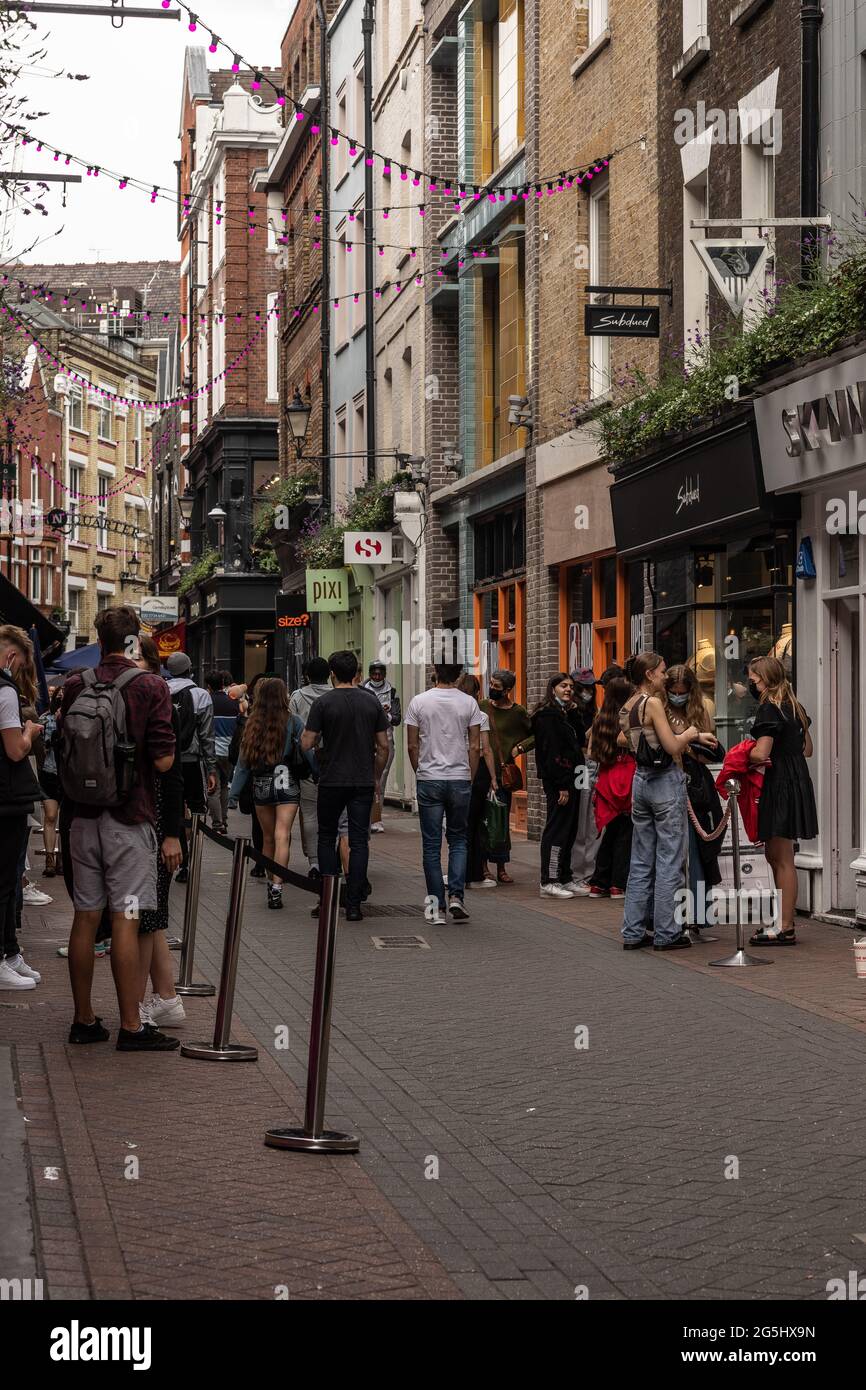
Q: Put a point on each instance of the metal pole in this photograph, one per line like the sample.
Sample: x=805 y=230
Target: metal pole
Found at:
x=325 y=144
x=221 y=1049
x=190 y=915
x=367 y=26
x=811 y=16
x=314 y=1138
x=740 y=956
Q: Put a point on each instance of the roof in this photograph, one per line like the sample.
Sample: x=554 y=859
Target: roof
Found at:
x=158 y=282
x=223 y=79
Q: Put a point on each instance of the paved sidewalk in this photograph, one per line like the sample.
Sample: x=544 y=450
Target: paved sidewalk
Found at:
x=499 y=1159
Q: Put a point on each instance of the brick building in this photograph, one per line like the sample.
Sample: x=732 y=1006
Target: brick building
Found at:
x=228 y=364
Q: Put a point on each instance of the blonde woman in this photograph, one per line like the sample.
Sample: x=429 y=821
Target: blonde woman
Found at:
x=19 y=791
x=787 y=810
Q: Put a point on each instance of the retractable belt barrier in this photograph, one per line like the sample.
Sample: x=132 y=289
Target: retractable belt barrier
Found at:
x=313 y=1137
x=740 y=956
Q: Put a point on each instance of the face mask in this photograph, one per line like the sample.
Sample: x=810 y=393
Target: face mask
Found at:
x=377 y=681
x=560 y=701
x=678 y=701
x=496 y=694
x=754 y=691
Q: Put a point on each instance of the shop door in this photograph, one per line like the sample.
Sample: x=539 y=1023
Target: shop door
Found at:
x=844 y=761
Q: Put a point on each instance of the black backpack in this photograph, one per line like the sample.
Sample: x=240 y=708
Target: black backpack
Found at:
x=182 y=701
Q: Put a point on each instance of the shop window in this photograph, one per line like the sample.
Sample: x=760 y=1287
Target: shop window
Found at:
x=671 y=582
x=844 y=552
x=500 y=545
x=636 y=606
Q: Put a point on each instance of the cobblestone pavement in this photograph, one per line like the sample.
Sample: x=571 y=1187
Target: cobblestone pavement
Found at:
x=540 y=1113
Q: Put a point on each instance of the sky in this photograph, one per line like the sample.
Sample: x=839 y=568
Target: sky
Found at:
x=126 y=118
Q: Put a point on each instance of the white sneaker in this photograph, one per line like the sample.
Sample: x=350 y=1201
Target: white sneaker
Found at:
x=487 y=883
x=10 y=979
x=435 y=916
x=20 y=966
x=167 y=1013
x=144 y=1009
x=377 y=828
x=34 y=898
x=458 y=909
x=577 y=890
x=555 y=890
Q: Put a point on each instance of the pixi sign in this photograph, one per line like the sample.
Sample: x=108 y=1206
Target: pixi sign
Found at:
x=814 y=427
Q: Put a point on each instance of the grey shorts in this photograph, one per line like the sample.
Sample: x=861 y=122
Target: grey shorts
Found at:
x=113 y=863
x=343 y=825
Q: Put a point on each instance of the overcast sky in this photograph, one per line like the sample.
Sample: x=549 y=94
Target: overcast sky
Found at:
x=126 y=117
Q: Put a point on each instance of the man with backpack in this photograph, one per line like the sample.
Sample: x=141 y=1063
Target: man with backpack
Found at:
x=197 y=747
x=115 y=734
x=225 y=721
x=300 y=702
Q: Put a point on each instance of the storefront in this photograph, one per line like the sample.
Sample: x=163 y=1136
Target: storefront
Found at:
x=813 y=444
x=717 y=555
x=230 y=625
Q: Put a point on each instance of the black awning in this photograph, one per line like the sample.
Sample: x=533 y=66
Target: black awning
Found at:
x=16 y=608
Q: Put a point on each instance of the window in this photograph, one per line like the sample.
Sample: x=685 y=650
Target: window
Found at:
x=138 y=439
x=272 y=342
x=76 y=484
x=218 y=394
x=758 y=172
x=597 y=19
x=73 y=610
x=49 y=582
x=77 y=417
x=357 y=118
x=219 y=231
x=358 y=309
x=694 y=22
x=500 y=545
x=357 y=466
x=103 y=601
x=201 y=230
x=34 y=485
x=106 y=415
x=102 y=511
x=406 y=398
x=599 y=274
x=35 y=576
x=201 y=404
x=341 y=316
x=341 y=152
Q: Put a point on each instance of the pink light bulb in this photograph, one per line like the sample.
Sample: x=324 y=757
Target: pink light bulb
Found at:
x=213 y=45
x=299 y=115
x=236 y=64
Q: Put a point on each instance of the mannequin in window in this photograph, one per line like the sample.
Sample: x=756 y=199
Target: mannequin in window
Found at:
x=783 y=649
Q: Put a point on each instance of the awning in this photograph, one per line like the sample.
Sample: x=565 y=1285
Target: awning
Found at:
x=16 y=608
x=80 y=659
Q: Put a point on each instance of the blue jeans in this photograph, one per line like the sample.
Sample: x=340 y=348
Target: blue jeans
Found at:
x=657 y=854
x=435 y=801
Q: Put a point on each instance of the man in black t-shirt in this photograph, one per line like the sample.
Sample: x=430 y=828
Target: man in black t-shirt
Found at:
x=354 y=729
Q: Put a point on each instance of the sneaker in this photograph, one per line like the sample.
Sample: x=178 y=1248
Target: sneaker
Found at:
x=458 y=910
x=20 y=966
x=102 y=948
x=617 y=892
x=435 y=916
x=147 y=1039
x=166 y=1013
x=646 y=940
x=275 y=897
x=354 y=914
x=182 y=876
x=578 y=890
x=555 y=890
x=144 y=1009
x=677 y=944
x=487 y=883
x=258 y=872
x=377 y=828
x=597 y=892
x=88 y=1032
x=10 y=978
x=34 y=898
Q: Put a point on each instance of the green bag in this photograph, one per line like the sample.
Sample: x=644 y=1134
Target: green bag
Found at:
x=494 y=829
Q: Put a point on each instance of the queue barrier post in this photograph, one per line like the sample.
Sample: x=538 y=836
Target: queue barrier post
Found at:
x=185 y=984
x=221 y=1049
x=314 y=1138
x=740 y=956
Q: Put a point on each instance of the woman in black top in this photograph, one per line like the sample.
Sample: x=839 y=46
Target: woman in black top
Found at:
x=19 y=791
x=558 y=751
x=787 y=810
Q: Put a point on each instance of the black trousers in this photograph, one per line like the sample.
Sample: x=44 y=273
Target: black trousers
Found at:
x=557 y=839
x=13 y=838
x=614 y=855
x=358 y=804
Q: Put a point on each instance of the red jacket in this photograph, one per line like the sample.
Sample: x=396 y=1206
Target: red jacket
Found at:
x=613 y=790
x=751 y=778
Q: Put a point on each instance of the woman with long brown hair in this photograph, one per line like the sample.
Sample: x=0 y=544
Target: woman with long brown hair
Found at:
x=787 y=810
x=685 y=705
x=608 y=747
x=270 y=758
x=19 y=792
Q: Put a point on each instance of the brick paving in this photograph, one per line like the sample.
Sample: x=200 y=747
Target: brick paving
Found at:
x=498 y=1160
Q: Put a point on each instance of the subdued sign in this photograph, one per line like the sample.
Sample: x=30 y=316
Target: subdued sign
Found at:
x=159 y=608
x=621 y=320
x=734 y=266
x=328 y=591
x=367 y=547
x=292 y=612
x=171 y=639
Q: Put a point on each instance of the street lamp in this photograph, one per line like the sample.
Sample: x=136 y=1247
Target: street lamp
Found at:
x=219 y=516
x=298 y=417
x=185 y=503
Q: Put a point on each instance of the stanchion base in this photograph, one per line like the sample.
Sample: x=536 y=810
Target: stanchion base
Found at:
x=195 y=989
x=740 y=958
x=232 y=1052
x=330 y=1141
x=698 y=938
x=174 y=943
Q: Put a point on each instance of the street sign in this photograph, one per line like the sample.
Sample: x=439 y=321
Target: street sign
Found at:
x=159 y=608
x=621 y=320
x=328 y=591
x=292 y=612
x=734 y=266
x=367 y=547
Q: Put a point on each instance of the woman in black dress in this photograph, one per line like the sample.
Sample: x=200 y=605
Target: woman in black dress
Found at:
x=787 y=810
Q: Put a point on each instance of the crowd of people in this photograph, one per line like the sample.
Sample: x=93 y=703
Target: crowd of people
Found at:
x=121 y=755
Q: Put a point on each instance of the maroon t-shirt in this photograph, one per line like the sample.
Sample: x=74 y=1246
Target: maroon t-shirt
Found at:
x=148 y=726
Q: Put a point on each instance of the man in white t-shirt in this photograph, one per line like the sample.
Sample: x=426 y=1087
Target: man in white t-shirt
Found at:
x=444 y=741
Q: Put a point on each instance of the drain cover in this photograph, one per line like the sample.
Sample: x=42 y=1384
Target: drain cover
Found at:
x=393 y=910
x=386 y=943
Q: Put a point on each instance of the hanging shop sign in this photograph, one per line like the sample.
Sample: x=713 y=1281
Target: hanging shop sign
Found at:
x=171 y=639
x=735 y=266
x=159 y=608
x=292 y=612
x=328 y=591
x=367 y=547
x=814 y=427
x=621 y=320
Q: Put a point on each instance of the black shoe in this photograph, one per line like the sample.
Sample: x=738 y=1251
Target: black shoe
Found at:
x=637 y=945
x=314 y=876
x=314 y=912
x=275 y=897
x=182 y=876
x=354 y=914
x=148 y=1039
x=678 y=943
x=88 y=1032
x=257 y=871
x=366 y=890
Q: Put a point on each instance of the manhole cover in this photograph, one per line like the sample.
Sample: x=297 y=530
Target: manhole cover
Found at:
x=386 y=943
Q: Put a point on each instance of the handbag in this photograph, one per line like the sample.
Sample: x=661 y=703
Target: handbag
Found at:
x=494 y=826
x=649 y=758
x=510 y=776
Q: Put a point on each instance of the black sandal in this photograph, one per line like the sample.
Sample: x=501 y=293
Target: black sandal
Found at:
x=763 y=937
